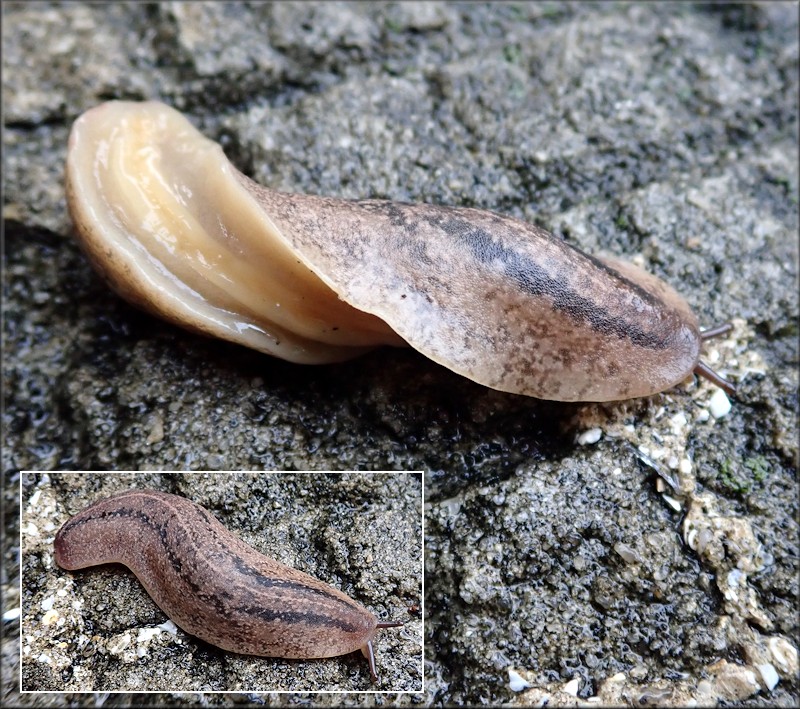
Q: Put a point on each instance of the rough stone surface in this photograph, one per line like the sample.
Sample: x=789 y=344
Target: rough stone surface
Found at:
x=663 y=133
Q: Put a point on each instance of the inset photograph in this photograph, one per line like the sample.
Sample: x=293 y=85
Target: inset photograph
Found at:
x=241 y=582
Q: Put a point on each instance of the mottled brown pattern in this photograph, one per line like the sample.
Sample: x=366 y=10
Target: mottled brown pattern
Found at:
x=493 y=298
x=212 y=584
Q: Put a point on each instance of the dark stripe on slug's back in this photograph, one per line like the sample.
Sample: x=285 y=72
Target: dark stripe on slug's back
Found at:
x=531 y=278
x=263 y=581
x=307 y=618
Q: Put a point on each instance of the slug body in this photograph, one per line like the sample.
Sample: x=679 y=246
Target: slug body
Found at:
x=212 y=584
x=176 y=229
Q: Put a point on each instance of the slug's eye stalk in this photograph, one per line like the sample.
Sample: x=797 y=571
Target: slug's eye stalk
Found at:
x=716 y=331
x=703 y=370
x=369 y=652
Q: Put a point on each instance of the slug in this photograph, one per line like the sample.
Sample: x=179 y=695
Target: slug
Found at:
x=212 y=584
x=177 y=230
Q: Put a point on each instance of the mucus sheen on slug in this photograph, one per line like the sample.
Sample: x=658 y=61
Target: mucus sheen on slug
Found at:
x=316 y=279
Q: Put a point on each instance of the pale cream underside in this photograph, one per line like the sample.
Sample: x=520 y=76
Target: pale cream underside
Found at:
x=161 y=214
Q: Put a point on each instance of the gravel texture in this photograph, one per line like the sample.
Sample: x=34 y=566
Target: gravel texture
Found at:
x=643 y=552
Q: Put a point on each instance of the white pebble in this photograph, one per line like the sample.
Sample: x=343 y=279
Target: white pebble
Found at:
x=769 y=674
x=735 y=578
x=572 y=687
x=11 y=614
x=591 y=436
x=672 y=502
x=516 y=681
x=784 y=653
x=719 y=405
x=678 y=422
x=147 y=634
x=169 y=627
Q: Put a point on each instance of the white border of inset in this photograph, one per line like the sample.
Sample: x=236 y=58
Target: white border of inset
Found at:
x=420 y=692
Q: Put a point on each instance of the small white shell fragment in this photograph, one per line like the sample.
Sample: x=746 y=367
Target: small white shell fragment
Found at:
x=516 y=681
x=117 y=645
x=572 y=686
x=169 y=627
x=628 y=553
x=719 y=405
x=11 y=614
x=769 y=675
x=735 y=578
x=672 y=502
x=147 y=634
x=784 y=654
x=691 y=539
x=50 y=617
x=590 y=437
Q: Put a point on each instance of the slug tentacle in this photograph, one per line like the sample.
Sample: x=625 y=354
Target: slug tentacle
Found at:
x=703 y=370
x=178 y=230
x=212 y=584
x=716 y=331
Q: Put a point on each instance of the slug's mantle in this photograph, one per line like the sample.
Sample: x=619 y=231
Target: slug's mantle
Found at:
x=177 y=230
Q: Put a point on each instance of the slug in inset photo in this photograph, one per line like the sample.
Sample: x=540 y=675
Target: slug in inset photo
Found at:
x=212 y=584
x=177 y=230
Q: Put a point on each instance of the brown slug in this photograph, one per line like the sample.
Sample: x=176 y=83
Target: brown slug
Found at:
x=177 y=230
x=212 y=584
